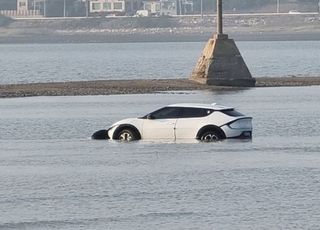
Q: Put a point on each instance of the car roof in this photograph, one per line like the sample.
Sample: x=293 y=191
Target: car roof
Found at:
x=213 y=106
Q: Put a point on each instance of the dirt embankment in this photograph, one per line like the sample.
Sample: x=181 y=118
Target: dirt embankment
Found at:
x=109 y=87
x=135 y=29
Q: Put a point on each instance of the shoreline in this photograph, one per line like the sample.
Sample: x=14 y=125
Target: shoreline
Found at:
x=159 y=37
x=251 y=27
x=139 y=86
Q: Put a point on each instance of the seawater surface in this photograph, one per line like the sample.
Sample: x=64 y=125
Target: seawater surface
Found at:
x=27 y=63
x=53 y=176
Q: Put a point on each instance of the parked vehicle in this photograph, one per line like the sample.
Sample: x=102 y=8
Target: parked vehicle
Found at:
x=294 y=12
x=205 y=122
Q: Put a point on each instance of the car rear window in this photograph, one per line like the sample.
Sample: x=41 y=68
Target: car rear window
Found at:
x=232 y=113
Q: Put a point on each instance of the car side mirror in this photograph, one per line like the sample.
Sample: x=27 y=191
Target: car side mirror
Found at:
x=150 y=117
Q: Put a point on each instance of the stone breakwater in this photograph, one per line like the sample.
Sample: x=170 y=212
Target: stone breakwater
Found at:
x=111 y=87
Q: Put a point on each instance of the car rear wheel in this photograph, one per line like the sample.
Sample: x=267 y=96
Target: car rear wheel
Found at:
x=127 y=135
x=210 y=136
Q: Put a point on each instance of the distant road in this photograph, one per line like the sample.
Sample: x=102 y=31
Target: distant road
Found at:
x=193 y=15
x=251 y=14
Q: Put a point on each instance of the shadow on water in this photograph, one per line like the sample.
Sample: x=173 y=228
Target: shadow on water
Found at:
x=213 y=91
x=176 y=141
x=228 y=90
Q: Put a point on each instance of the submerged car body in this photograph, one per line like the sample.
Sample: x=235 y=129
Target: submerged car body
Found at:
x=205 y=122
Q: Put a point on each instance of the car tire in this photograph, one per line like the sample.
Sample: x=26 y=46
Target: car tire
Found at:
x=127 y=135
x=210 y=136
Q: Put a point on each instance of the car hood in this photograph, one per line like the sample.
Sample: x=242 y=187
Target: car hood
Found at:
x=130 y=121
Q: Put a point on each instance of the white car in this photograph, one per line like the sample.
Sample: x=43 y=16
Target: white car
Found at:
x=205 y=122
x=294 y=12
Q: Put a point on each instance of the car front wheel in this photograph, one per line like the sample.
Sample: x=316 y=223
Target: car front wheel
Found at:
x=127 y=135
x=210 y=136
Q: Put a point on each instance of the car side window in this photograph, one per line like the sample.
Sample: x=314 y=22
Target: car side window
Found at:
x=195 y=112
x=166 y=113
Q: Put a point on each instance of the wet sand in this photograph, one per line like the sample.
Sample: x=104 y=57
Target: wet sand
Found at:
x=110 y=87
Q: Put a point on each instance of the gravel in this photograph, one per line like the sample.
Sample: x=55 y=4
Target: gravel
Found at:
x=110 y=87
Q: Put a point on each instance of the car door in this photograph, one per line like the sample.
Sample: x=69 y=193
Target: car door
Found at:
x=160 y=124
x=190 y=121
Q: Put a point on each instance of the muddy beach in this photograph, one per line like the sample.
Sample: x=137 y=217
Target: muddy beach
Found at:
x=112 y=87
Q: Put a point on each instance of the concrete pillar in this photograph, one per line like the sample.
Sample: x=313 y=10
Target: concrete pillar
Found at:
x=219 y=17
x=221 y=63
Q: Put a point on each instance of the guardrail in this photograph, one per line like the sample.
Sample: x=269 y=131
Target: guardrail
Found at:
x=20 y=13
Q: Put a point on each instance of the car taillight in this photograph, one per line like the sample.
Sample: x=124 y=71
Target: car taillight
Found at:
x=245 y=123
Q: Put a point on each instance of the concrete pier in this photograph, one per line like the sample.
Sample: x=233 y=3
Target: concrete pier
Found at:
x=221 y=63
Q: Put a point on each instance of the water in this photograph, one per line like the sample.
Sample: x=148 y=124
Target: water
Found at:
x=69 y=62
x=52 y=176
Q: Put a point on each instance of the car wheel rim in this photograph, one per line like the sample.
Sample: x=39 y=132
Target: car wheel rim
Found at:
x=125 y=136
x=210 y=137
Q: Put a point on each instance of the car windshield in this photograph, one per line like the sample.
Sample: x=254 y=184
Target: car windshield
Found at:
x=164 y=113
